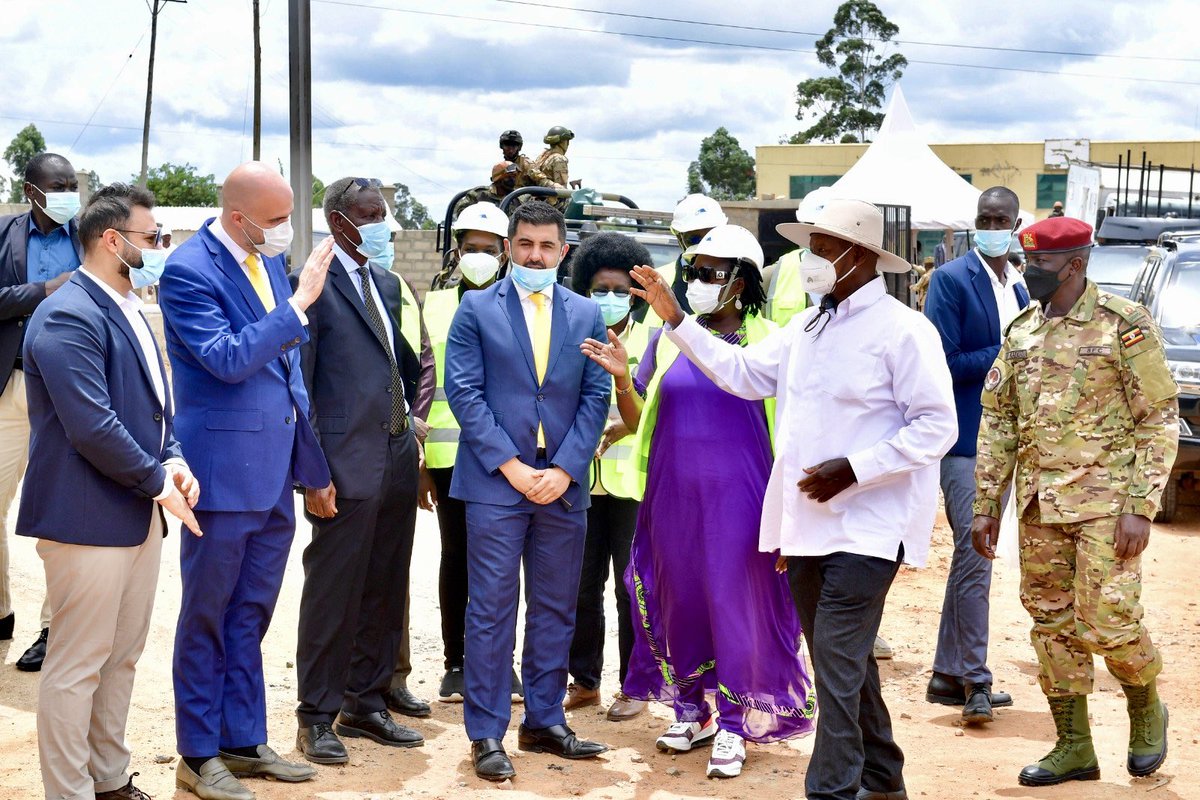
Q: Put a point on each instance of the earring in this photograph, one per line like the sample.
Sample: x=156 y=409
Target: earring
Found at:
x=738 y=304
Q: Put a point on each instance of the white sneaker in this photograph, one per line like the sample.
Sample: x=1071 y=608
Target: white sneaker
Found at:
x=728 y=755
x=683 y=736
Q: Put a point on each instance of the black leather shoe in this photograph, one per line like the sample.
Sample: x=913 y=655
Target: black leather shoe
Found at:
x=948 y=690
x=869 y=794
x=35 y=655
x=6 y=626
x=490 y=761
x=559 y=740
x=402 y=701
x=320 y=744
x=377 y=726
x=979 y=704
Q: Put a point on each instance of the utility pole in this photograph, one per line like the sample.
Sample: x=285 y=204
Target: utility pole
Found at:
x=300 y=80
x=257 y=88
x=156 y=6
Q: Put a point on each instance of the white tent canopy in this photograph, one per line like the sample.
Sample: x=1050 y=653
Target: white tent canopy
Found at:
x=900 y=169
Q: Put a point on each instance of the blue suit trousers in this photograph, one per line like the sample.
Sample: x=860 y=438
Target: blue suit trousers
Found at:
x=550 y=541
x=231 y=579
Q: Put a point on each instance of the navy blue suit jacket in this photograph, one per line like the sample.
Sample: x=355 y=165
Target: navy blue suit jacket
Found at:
x=18 y=297
x=243 y=410
x=97 y=441
x=962 y=306
x=492 y=389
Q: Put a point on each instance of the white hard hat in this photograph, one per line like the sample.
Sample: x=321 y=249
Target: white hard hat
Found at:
x=485 y=217
x=728 y=241
x=697 y=212
x=812 y=204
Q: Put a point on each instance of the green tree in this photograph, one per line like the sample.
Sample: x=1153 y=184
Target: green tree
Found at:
x=723 y=170
x=409 y=211
x=20 y=151
x=846 y=106
x=175 y=185
x=318 y=192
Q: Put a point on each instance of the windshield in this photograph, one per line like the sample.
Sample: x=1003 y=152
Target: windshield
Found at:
x=663 y=253
x=1180 y=302
x=1115 y=265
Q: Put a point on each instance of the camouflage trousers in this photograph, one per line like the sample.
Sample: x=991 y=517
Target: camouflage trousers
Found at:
x=1084 y=602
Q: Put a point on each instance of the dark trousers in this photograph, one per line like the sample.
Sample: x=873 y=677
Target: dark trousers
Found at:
x=355 y=585
x=962 y=642
x=231 y=578
x=840 y=598
x=549 y=540
x=452 y=573
x=610 y=525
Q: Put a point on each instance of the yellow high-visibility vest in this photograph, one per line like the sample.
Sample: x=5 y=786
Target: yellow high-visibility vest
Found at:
x=441 y=445
x=615 y=461
x=788 y=297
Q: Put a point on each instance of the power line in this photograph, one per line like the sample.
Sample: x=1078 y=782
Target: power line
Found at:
x=757 y=29
x=104 y=96
x=739 y=45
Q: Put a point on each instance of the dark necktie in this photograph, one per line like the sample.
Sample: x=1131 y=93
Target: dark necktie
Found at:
x=399 y=420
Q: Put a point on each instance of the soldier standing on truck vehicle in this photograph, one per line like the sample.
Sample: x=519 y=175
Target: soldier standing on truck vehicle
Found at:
x=522 y=171
x=553 y=160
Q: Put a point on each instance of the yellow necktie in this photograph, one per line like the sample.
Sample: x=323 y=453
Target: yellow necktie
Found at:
x=541 y=346
x=260 y=282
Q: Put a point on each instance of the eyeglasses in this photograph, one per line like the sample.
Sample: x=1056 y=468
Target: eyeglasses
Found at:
x=705 y=274
x=617 y=293
x=156 y=233
x=362 y=183
x=687 y=240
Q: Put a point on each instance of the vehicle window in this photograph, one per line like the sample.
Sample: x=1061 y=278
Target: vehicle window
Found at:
x=1138 y=293
x=1181 y=302
x=663 y=253
x=1115 y=264
x=1152 y=283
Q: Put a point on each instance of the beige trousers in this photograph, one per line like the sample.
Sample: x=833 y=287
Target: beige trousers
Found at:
x=14 y=455
x=101 y=599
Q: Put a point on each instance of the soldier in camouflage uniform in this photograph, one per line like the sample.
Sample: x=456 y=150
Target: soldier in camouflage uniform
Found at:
x=553 y=160
x=1081 y=402
x=521 y=168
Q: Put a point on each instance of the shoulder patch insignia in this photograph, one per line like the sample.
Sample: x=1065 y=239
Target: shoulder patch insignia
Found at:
x=1132 y=336
x=993 y=379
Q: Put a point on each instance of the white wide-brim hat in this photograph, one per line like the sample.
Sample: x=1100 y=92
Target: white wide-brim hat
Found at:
x=854 y=221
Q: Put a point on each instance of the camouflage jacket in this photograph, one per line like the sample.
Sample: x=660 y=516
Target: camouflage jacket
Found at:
x=1085 y=407
x=553 y=162
x=529 y=175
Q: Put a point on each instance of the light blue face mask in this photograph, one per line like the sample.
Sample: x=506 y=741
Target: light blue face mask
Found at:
x=612 y=307
x=993 y=243
x=376 y=243
x=60 y=206
x=534 y=280
x=154 y=262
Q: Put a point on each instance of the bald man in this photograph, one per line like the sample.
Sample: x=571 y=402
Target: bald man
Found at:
x=234 y=327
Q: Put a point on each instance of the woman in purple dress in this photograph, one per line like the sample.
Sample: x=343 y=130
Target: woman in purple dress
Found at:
x=711 y=613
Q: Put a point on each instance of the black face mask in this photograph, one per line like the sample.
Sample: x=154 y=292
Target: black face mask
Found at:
x=1042 y=283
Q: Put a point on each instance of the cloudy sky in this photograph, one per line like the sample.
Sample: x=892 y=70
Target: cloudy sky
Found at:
x=419 y=91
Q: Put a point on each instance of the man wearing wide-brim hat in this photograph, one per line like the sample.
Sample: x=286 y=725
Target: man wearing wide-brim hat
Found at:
x=864 y=413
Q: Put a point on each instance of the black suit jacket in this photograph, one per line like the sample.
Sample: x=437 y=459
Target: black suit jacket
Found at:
x=18 y=297
x=347 y=373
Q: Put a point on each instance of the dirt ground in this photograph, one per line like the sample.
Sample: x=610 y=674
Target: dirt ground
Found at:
x=944 y=760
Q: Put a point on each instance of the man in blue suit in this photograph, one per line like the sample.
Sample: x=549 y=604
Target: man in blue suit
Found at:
x=39 y=249
x=971 y=301
x=531 y=408
x=233 y=331
x=103 y=454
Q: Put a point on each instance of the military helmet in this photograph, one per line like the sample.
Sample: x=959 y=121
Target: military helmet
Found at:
x=511 y=137
x=558 y=134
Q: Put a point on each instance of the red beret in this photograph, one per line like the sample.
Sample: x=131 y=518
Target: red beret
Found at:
x=1055 y=235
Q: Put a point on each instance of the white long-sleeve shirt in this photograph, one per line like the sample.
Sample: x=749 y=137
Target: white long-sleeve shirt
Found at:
x=872 y=387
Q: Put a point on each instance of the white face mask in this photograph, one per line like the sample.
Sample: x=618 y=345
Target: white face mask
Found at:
x=704 y=298
x=275 y=240
x=478 y=268
x=818 y=273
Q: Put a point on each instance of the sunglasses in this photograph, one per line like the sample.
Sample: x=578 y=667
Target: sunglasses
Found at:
x=363 y=183
x=156 y=233
x=617 y=293
x=705 y=274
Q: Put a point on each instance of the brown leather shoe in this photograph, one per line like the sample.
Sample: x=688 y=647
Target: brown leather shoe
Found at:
x=580 y=696
x=625 y=707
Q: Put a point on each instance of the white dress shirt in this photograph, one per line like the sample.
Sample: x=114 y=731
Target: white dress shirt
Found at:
x=872 y=387
x=529 y=309
x=240 y=254
x=1005 y=291
x=345 y=262
x=131 y=306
